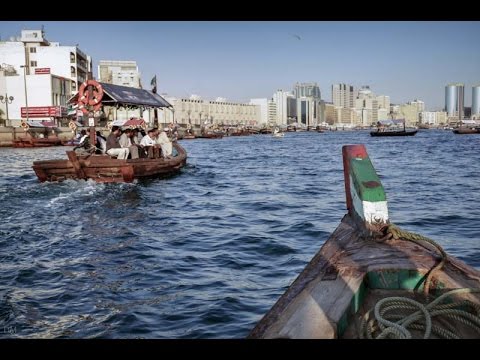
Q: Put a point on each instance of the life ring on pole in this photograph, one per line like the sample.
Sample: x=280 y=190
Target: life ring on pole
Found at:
x=25 y=126
x=83 y=93
x=72 y=126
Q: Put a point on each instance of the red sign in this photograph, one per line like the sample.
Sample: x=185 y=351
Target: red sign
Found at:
x=43 y=111
x=42 y=71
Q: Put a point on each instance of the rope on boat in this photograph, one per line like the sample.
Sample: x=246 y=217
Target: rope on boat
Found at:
x=394 y=316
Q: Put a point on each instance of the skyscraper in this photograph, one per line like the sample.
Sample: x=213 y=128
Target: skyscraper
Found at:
x=476 y=100
x=454 y=99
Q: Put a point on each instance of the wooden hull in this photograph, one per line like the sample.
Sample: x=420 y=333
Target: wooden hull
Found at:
x=465 y=131
x=211 y=136
x=393 y=133
x=34 y=142
x=330 y=294
x=102 y=168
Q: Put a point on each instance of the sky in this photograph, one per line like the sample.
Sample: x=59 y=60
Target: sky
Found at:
x=240 y=60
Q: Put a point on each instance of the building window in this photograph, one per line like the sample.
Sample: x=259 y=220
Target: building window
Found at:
x=33 y=50
x=74 y=86
x=72 y=70
x=72 y=57
x=33 y=63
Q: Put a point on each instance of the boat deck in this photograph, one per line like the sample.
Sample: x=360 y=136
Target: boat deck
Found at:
x=334 y=285
x=353 y=329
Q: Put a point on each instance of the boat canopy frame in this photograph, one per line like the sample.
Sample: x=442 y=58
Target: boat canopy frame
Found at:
x=129 y=98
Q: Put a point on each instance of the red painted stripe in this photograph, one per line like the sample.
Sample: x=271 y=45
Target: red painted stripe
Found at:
x=350 y=152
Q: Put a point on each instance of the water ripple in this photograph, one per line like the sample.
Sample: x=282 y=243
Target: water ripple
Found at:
x=206 y=253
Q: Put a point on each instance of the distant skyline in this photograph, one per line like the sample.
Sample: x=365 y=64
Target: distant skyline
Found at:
x=240 y=60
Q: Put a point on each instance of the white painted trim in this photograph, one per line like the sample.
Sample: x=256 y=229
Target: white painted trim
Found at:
x=369 y=211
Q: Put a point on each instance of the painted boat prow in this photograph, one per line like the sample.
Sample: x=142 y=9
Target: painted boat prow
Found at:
x=356 y=267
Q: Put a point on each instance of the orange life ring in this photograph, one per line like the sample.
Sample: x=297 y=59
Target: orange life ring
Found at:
x=83 y=94
x=25 y=126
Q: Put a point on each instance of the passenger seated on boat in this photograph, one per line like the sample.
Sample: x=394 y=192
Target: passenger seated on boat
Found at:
x=149 y=143
x=84 y=147
x=101 y=144
x=164 y=142
x=126 y=142
x=113 y=146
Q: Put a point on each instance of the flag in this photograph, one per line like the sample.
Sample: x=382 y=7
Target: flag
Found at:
x=153 y=83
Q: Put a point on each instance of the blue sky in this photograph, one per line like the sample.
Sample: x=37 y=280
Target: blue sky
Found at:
x=240 y=60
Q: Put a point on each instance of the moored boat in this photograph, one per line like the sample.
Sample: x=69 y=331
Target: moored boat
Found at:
x=373 y=280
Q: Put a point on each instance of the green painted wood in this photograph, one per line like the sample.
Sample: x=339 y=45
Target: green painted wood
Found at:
x=410 y=280
x=366 y=181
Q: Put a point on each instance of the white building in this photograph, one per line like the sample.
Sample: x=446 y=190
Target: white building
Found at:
x=46 y=95
x=263 y=104
x=280 y=98
x=119 y=72
x=199 y=112
x=42 y=56
x=343 y=96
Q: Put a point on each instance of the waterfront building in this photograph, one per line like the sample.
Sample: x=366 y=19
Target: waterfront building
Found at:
x=264 y=109
x=476 y=101
x=454 y=100
x=308 y=103
x=198 y=112
x=281 y=99
x=119 y=72
x=343 y=96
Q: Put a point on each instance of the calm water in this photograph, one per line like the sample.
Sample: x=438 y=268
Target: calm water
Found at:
x=206 y=253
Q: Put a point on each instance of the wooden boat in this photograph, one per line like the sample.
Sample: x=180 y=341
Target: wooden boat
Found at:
x=465 y=130
x=29 y=141
x=393 y=133
x=103 y=168
x=384 y=128
x=188 y=137
x=350 y=287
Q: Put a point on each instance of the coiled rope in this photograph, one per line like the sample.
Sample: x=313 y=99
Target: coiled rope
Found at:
x=395 y=317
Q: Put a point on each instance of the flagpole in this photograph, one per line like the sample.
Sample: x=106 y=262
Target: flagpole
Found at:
x=153 y=83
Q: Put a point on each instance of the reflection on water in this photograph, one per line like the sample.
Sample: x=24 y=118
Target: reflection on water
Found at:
x=205 y=253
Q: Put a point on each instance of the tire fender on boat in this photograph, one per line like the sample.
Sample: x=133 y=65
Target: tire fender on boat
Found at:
x=25 y=126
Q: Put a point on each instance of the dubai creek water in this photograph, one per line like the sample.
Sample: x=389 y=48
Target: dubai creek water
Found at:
x=206 y=253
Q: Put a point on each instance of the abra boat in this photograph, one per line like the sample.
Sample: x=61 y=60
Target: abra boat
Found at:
x=103 y=168
x=388 y=128
x=368 y=270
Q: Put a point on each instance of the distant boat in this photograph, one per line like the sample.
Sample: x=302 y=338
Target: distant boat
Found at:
x=371 y=279
x=464 y=131
x=387 y=128
x=277 y=133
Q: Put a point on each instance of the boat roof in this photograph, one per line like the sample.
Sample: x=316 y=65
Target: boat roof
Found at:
x=117 y=95
x=391 y=122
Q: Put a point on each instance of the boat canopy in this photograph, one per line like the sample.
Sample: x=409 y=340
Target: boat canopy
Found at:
x=124 y=96
x=389 y=122
x=131 y=123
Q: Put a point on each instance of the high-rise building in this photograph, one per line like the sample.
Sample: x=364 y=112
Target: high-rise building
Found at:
x=476 y=100
x=343 y=96
x=454 y=99
x=119 y=72
x=280 y=98
x=308 y=103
